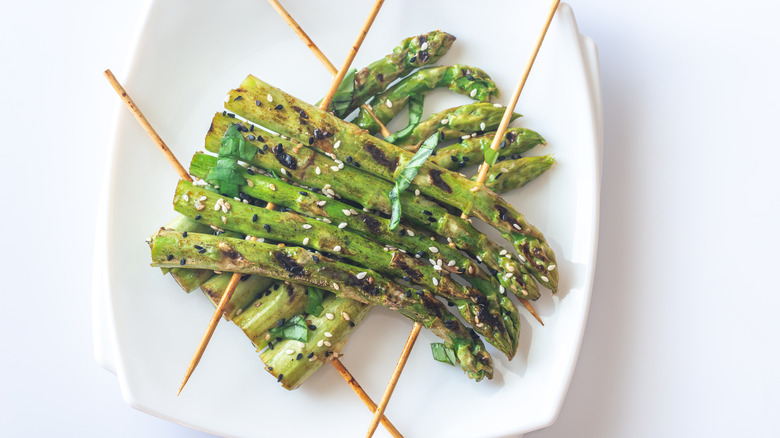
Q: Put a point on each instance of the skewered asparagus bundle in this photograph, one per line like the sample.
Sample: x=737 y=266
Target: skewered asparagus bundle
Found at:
x=481 y=311
x=300 y=266
x=371 y=192
x=461 y=79
x=410 y=54
x=306 y=123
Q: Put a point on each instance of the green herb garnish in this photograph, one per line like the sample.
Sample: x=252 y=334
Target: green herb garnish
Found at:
x=407 y=175
x=314 y=305
x=227 y=174
x=343 y=97
x=295 y=328
x=415 y=115
x=444 y=353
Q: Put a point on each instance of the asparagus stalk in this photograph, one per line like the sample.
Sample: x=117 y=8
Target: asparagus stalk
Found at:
x=453 y=123
x=292 y=362
x=461 y=79
x=306 y=123
x=471 y=149
x=410 y=54
x=482 y=312
x=300 y=266
x=188 y=279
x=371 y=192
x=512 y=174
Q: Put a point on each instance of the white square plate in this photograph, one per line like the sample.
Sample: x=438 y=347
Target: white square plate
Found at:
x=189 y=54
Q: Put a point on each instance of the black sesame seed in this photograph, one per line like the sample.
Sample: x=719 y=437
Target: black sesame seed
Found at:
x=315 y=258
x=250 y=137
x=268 y=292
x=327 y=353
x=238 y=98
x=257 y=102
x=498 y=176
x=318 y=134
x=279 y=339
x=184 y=234
x=311 y=140
x=265 y=146
x=420 y=253
x=408 y=294
x=202 y=251
x=276 y=286
x=198 y=247
x=419 y=292
x=251 y=128
x=224 y=113
x=279 y=379
x=466 y=159
x=267 y=228
x=299 y=356
x=412 y=59
x=502 y=145
x=197 y=217
x=407 y=278
x=402 y=232
x=352 y=323
x=312 y=327
x=302 y=193
x=269 y=368
x=278 y=107
x=454 y=158
x=441 y=137
x=170 y=257
x=254 y=218
x=427 y=213
x=356 y=164
x=183 y=261
x=431 y=219
x=349 y=159
x=250 y=171
x=231 y=115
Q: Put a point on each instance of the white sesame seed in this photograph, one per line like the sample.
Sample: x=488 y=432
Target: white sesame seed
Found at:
x=336 y=286
x=353 y=211
x=465 y=137
x=341 y=165
x=361 y=275
x=544 y=278
x=479 y=258
x=435 y=281
x=508 y=276
x=227 y=98
x=343 y=225
x=261 y=240
x=185 y=197
x=328 y=334
x=334 y=168
x=521 y=258
x=451 y=263
x=433 y=262
x=322 y=203
x=225 y=207
x=346 y=212
x=267 y=336
x=250 y=183
x=337 y=144
x=336 y=248
x=410 y=233
x=327 y=221
x=437 y=267
x=433 y=249
x=224 y=220
x=497 y=105
x=416 y=192
x=305 y=240
x=319 y=343
x=501 y=289
x=503 y=252
x=270 y=98
x=306 y=226
x=272 y=187
x=239 y=311
x=312 y=359
x=389 y=103
x=445 y=121
x=290 y=351
x=504 y=169
x=510 y=268
x=326 y=187
x=550 y=267
x=317 y=170
x=203 y=198
x=284 y=172
x=329 y=316
x=482 y=126
x=327 y=344
x=439 y=262
x=199 y=206
x=517 y=227
x=424 y=46
x=473 y=92
x=473 y=135
x=524 y=292
x=345 y=315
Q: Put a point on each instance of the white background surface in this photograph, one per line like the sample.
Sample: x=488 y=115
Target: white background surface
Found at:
x=681 y=334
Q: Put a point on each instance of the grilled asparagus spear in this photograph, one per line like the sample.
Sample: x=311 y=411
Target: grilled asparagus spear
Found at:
x=510 y=174
x=412 y=53
x=471 y=149
x=306 y=123
x=292 y=361
x=461 y=79
x=300 y=266
x=481 y=311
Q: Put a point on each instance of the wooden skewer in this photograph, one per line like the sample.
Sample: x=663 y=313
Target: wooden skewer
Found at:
x=147 y=126
x=321 y=56
x=351 y=55
x=480 y=180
